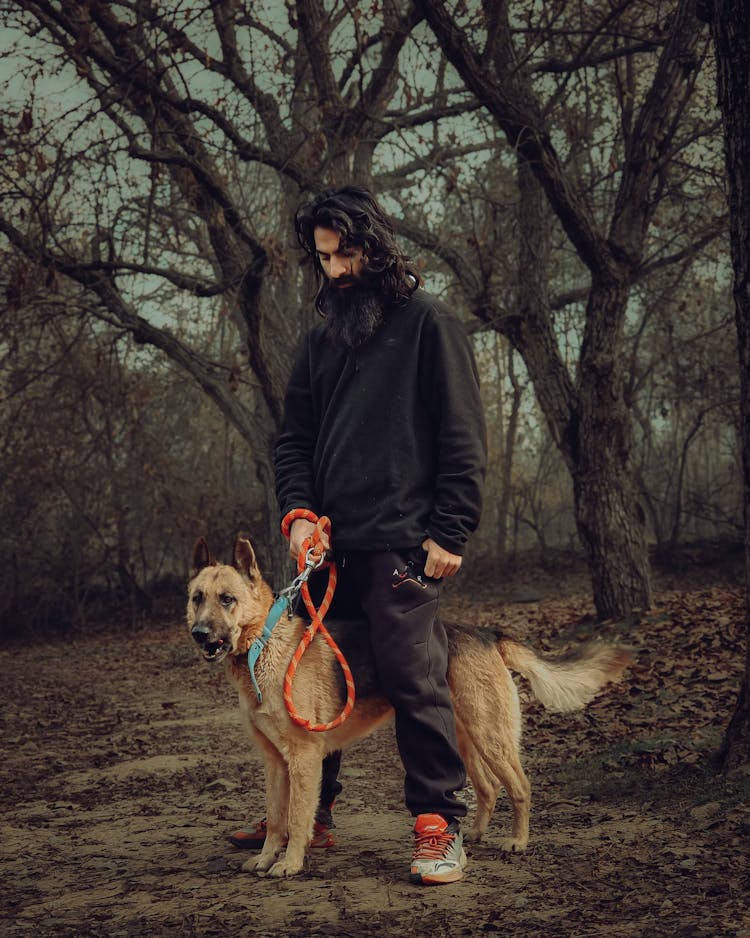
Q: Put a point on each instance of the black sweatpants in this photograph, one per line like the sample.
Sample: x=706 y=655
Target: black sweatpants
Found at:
x=389 y=589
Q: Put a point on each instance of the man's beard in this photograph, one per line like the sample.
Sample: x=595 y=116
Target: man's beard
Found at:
x=352 y=313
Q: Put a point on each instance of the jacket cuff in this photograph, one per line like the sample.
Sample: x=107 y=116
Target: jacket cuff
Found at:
x=452 y=546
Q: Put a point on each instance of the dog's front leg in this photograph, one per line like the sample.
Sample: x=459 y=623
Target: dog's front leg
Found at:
x=305 y=770
x=277 y=801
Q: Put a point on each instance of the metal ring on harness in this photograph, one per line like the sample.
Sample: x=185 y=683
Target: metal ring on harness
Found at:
x=312 y=555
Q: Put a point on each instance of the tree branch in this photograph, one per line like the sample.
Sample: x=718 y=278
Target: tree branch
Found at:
x=517 y=112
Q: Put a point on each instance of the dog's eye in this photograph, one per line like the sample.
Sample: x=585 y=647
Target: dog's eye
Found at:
x=226 y=599
x=197 y=598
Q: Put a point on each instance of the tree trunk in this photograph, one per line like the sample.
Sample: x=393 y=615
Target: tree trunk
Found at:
x=730 y=29
x=610 y=520
x=509 y=452
x=589 y=420
x=274 y=550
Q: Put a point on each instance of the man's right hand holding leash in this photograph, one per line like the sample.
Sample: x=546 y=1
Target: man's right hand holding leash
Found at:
x=300 y=530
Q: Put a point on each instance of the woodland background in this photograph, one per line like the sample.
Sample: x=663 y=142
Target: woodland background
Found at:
x=556 y=171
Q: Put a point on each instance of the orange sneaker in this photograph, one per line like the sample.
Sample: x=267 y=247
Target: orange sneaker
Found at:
x=254 y=838
x=438 y=851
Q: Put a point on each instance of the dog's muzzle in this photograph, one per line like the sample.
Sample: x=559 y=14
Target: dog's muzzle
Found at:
x=213 y=650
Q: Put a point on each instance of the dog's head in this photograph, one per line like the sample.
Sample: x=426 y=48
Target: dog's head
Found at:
x=227 y=605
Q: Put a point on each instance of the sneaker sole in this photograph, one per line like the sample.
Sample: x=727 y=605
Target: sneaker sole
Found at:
x=453 y=877
x=438 y=879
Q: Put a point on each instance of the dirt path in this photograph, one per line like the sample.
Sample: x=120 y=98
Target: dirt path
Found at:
x=123 y=767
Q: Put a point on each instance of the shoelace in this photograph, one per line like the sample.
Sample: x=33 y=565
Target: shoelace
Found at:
x=432 y=846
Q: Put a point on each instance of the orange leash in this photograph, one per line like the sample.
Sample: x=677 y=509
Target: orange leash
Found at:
x=313 y=549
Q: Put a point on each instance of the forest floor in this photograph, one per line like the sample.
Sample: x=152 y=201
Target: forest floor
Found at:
x=124 y=768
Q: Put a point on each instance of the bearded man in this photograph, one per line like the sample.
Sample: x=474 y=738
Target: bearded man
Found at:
x=383 y=432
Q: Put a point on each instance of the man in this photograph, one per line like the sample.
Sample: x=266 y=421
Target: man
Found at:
x=383 y=433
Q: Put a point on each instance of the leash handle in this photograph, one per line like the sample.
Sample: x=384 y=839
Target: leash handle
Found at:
x=312 y=552
x=312 y=555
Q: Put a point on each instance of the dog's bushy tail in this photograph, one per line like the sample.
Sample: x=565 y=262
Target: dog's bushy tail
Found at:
x=571 y=681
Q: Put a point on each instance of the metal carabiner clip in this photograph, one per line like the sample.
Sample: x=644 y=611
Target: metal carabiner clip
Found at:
x=291 y=592
x=310 y=563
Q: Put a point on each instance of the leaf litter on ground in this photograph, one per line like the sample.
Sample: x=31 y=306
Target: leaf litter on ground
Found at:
x=124 y=767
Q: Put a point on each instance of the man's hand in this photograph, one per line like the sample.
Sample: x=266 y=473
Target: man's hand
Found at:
x=439 y=562
x=300 y=530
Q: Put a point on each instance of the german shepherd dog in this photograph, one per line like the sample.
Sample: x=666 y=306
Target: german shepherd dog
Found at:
x=227 y=609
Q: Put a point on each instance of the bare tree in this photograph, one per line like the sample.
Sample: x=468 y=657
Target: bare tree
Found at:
x=730 y=30
x=207 y=162
x=587 y=414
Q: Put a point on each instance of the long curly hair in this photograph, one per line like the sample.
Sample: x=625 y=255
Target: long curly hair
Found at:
x=353 y=213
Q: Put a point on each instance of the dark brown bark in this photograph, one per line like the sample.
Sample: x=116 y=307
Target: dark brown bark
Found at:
x=730 y=29
x=509 y=452
x=610 y=520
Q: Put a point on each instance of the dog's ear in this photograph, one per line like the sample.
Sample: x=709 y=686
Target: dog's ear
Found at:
x=202 y=556
x=244 y=559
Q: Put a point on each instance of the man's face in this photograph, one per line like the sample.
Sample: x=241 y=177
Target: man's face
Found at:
x=341 y=265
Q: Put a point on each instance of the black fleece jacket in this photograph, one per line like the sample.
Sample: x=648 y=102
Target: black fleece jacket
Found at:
x=388 y=439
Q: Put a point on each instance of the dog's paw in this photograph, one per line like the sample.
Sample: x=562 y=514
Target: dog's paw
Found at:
x=513 y=845
x=473 y=836
x=256 y=864
x=285 y=868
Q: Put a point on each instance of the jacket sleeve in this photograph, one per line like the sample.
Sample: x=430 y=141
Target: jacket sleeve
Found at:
x=296 y=443
x=450 y=387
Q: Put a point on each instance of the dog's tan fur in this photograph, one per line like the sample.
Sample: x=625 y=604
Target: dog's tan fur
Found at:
x=227 y=607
